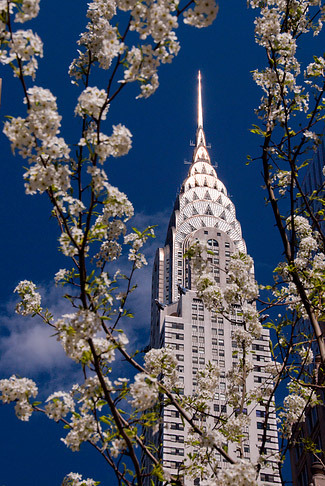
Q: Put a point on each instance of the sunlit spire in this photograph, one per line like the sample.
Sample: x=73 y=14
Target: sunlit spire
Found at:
x=200 y=137
x=200 y=112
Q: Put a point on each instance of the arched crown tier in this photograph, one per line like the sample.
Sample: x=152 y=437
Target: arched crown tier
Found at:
x=202 y=207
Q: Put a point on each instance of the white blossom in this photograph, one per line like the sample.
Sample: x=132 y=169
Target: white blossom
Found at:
x=162 y=362
x=25 y=46
x=241 y=473
x=117 y=446
x=30 y=299
x=211 y=438
x=28 y=10
x=74 y=479
x=144 y=391
x=75 y=329
x=202 y=15
x=236 y=426
x=84 y=428
x=306 y=355
x=69 y=245
x=92 y=102
x=19 y=390
x=116 y=145
x=59 y=404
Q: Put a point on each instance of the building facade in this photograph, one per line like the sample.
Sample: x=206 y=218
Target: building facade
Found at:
x=306 y=465
x=203 y=212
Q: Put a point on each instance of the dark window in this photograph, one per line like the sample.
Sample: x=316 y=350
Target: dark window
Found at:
x=213 y=243
x=260 y=413
x=268 y=477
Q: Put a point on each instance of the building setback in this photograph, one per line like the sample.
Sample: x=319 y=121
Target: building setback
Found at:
x=203 y=212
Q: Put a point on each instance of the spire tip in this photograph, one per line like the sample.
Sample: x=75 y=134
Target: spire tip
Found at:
x=200 y=112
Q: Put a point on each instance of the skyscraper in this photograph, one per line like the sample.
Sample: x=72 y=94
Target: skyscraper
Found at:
x=203 y=212
x=306 y=466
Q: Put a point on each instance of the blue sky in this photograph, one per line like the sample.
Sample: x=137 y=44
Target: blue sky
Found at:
x=162 y=129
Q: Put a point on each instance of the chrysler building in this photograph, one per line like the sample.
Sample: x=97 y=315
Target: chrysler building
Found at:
x=203 y=212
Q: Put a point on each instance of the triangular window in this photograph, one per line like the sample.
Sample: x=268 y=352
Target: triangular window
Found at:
x=203 y=169
x=195 y=196
x=207 y=196
x=208 y=210
x=194 y=211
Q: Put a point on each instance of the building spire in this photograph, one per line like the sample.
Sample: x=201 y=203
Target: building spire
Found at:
x=200 y=111
x=200 y=137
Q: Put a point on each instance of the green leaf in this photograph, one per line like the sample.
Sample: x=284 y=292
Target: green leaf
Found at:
x=105 y=420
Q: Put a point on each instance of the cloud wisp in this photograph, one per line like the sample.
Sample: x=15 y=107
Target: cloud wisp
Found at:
x=28 y=347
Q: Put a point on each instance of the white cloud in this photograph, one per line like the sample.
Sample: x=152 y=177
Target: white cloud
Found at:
x=28 y=347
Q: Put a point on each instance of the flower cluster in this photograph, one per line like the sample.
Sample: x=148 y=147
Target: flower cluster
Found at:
x=309 y=263
x=211 y=438
x=25 y=46
x=74 y=331
x=36 y=139
x=136 y=240
x=202 y=15
x=59 y=404
x=235 y=426
x=101 y=39
x=84 y=428
x=294 y=406
x=315 y=73
x=242 y=287
x=116 y=145
x=306 y=355
x=74 y=479
x=117 y=446
x=30 y=299
x=144 y=391
x=276 y=30
x=207 y=381
x=282 y=180
x=242 y=473
x=162 y=363
x=110 y=224
x=91 y=393
x=28 y=9
x=149 y=19
x=92 y=102
x=19 y=390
